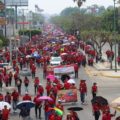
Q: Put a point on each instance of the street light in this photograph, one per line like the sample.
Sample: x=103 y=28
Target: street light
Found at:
x=114 y=30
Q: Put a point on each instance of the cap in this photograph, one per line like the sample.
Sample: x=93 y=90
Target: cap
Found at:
x=26 y=92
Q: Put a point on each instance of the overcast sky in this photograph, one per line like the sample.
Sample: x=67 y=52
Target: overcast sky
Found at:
x=56 y=6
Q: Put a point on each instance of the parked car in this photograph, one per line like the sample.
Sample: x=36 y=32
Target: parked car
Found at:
x=56 y=60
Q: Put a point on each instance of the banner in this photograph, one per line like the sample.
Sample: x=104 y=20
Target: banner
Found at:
x=67 y=96
x=60 y=70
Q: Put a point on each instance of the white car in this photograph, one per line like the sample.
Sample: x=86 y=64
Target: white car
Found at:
x=56 y=60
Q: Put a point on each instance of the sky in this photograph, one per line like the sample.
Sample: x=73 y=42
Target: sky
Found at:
x=56 y=6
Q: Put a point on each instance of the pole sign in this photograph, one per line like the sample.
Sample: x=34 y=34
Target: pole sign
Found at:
x=16 y=2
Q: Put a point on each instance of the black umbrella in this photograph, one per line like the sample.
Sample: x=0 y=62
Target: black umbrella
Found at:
x=118 y=118
x=100 y=100
x=64 y=77
x=75 y=108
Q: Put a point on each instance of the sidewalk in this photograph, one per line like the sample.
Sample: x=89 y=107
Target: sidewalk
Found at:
x=102 y=69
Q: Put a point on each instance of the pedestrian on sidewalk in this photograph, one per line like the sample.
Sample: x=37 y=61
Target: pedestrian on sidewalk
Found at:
x=83 y=90
x=94 y=89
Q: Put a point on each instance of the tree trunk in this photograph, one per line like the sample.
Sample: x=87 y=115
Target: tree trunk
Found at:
x=119 y=49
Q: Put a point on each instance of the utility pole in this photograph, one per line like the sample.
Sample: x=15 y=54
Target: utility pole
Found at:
x=115 y=37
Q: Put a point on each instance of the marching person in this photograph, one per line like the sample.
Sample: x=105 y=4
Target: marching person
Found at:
x=107 y=115
x=94 y=90
x=15 y=99
x=26 y=83
x=8 y=98
x=38 y=105
x=5 y=113
x=18 y=84
x=83 y=90
x=36 y=83
x=96 y=111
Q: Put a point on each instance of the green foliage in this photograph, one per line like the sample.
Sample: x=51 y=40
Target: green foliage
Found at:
x=69 y=11
x=4 y=41
x=28 y=32
x=1 y=43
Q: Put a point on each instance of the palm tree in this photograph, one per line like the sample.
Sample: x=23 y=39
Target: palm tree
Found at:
x=79 y=2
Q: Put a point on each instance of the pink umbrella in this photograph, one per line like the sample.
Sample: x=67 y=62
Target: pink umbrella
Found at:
x=42 y=98
x=51 y=77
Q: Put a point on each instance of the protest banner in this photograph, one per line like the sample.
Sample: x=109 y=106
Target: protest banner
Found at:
x=67 y=96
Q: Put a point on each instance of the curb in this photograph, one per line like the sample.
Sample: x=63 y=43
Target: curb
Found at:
x=108 y=75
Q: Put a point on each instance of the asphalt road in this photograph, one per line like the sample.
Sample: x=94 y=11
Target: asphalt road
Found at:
x=107 y=87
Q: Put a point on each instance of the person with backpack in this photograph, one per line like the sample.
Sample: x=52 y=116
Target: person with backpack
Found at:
x=26 y=83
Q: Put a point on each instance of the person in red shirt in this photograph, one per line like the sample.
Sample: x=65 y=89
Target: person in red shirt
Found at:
x=33 y=70
x=83 y=90
x=48 y=88
x=46 y=110
x=67 y=85
x=94 y=89
x=5 y=113
x=27 y=97
x=1 y=97
x=10 y=77
x=26 y=83
x=15 y=99
x=60 y=106
x=8 y=98
x=107 y=115
x=96 y=111
x=40 y=89
x=52 y=103
x=36 y=83
x=38 y=105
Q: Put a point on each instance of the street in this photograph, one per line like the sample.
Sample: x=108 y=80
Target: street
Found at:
x=107 y=87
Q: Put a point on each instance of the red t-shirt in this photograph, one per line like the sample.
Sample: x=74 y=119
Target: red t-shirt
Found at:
x=27 y=97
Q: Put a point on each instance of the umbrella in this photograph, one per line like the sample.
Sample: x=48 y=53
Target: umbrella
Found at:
x=25 y=72
x=116 y=103
x=2 y=104
x=57 y=110
x=100 y=100
x=51 y=77
x=71 y=81
x=118 y=118
x=45 y=98
x=63 y=54
x=28 y=56
x=27 y=104
x=75 y=108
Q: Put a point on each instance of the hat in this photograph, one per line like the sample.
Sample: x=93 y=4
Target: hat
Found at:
x=54 y=84
x=40 y=84
x=26 y=92
x=59 y=101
